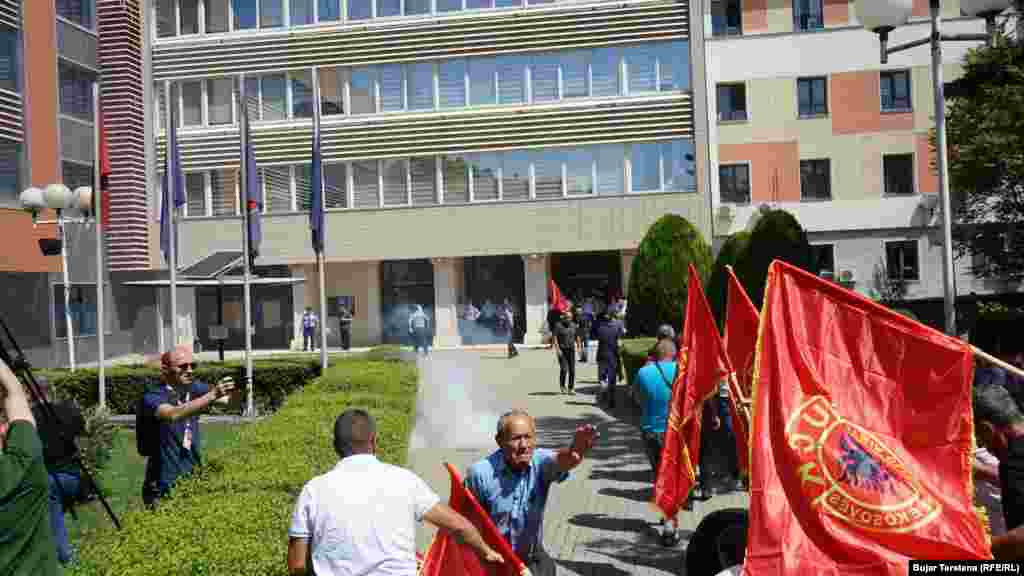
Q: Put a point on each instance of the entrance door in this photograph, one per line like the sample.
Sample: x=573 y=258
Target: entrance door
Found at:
x=405 y=283
x=597 y=274
x=493 y=279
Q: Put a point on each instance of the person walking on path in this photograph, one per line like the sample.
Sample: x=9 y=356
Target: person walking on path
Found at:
x=513 y=483
x=565 y=349
x=510 y=321
x=309 y=324
x=345 y=324
x=609 y=330
x=419 y=328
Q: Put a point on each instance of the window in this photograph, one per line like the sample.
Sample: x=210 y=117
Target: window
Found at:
x=451 y=79
x=547 y=172
x=895 y=90
x=901 y=260
x=271 y=14
x=223 y=193
x=300 y=12
x=423 y=173
x=192 y=103
x=303 y=187
x=9 y=59
x=391 y=94
x=484 y=170
x=332 y=90
x=808 y=15
x=361 y=91
x=216 y=16
x=544 y=77
x=604 y=72
x=393 y=173
x=680 y=164
x=360 y=9
x=165 y=19
x=417 y=7
x=75 y=91
x=579 y=172
x=732 y=102
x=277 y=189
x=478 y=4
x=726 y=18
x=815 y=180
x=674 y=62
x=645 y=164
x=641 y=68
x=82 y=310
x=421 y=85
x=511 y=79
x=10 y=174
x=449 y=5
x=252 y=98
x=335 y=186
x=188 y=10
x=899 y=174
x=245 y=14
x=823 y=259
x=74 y=174
x=82 y=12
x=275 y=105
x=195 y=193
x=389 y=8
x=481 y=81
x=364 y=184
x=302 y=94
x=812 y=96
x=455 y=170
x=515 y=175
x=329 y=10
x=734 y=183
x=574 y=74
x=611 y=178
x=220 y=92
x=508 y=3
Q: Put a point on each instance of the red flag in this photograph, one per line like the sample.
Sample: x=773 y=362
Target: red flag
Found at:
x=103 y=193
x=558 y=301
x=862 y=427
x=701 y=366
x=448 y=557
x=740 y=339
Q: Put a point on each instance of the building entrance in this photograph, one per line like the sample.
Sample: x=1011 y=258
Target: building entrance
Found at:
x=489 y=281
x=588 y=274
x=405 y=283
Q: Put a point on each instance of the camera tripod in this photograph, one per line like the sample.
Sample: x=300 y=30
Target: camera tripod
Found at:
x=13 y=356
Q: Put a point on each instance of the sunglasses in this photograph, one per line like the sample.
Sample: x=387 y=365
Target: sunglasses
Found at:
x=187 y=366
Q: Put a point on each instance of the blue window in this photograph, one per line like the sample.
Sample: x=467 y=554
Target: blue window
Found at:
x=389 y=8
x=812 y=96
x=10 y=173
x=484 y=170
x=579 y=171
x=271 y=14
x=574 y=74
x=477 y=4
x=726 y=18
x=674 y=63
x=274 y=101
x=611 y=177
x=508 y=3
x=9 y=59
x=642 y=68
x=680 y=165
x=361 y=99
x=391 y=97
x=360 y=9
x=808 y=15
x=302 y=94
x=417 y=7
x=547 y=173
x=421 y=85
x=544 y=77
x=245 y=14
x=605 y=72
x=646 y=167
x=515 y=175
x=329 y=10
x=895 y=90
x=511 y=79
x=252 y=97
x=451 y=79
x=81 y=12
x=76 y=91
x=300 y=12
x=732 y=102
x=481 y=81
x=449 y=5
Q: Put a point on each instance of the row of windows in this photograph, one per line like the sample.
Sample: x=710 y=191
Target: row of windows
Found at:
x=81 y=12
x=183 y=17
x=727 y=16
x=443 y=85
x=902 y=262
x=815 y=179
x=75 y=90
x=9 y=59
x=604 y=169
x=812 y=96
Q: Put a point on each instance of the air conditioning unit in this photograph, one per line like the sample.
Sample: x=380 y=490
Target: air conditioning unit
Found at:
x=847 y=276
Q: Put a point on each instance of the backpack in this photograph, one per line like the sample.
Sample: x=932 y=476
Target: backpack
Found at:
x=147 y=431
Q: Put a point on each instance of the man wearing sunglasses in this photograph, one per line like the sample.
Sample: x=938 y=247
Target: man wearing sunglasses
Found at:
x=174 y=411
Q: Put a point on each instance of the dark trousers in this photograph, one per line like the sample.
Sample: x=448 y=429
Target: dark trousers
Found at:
x=567 y=367
x=308 y=340
x=608 y=371
x=421 y=339
x=653 y=442
x=346 y=337
x=64 y=488
x=512 y=344
x=540 y=563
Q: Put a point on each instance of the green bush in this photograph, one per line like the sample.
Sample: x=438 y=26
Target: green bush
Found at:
x=232 y=516
x=657 y=282
x=634 y=355
x=718 y=285
x=777 y=235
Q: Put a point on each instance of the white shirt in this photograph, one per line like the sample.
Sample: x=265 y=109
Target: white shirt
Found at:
x=360 y=518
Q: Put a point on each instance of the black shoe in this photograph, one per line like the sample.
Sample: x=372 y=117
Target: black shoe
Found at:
x=669 y=536
x=739 y=485
x=700 y=493
x=689 y=504
x=562 y=389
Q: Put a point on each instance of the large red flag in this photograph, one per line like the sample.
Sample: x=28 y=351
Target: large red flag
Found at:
x=861 y=455
x=740 y=339
x=701 y=366
x=558 y=301
x=103 y=193
x=448 y=557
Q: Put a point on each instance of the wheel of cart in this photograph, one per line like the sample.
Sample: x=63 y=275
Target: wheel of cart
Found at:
x=719 y=543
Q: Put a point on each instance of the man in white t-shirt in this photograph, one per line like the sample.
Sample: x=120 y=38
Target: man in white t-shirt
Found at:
x=360 y=518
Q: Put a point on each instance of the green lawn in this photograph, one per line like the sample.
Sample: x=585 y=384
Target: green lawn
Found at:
x=122 y=479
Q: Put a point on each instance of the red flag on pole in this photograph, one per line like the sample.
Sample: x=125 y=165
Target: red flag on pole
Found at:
x=861 y=437
x=740 y=340
x=104 y=156
x=557 y=300
x=701 y=366
x=447 y=557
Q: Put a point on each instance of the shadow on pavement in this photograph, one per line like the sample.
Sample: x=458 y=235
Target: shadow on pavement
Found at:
x=647 y=553
x=610 y=523
x=644 y=475
x=635 y=494
x=591 y=568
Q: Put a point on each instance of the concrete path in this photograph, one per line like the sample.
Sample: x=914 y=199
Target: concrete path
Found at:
x=599 y=521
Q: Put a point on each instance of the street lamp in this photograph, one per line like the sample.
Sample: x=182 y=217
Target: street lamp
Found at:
x=65 y=201
x=882 y=17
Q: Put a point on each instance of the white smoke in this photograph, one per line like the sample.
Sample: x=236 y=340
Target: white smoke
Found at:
x=453 y=411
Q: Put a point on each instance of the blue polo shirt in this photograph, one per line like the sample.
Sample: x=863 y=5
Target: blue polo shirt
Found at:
x=515 y=500
x=655 y=394
x=174 y=459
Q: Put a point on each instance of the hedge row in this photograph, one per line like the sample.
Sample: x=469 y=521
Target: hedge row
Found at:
x=634 y=355
x=232 y=516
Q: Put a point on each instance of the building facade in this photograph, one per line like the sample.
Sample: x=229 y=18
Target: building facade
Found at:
x=810 y=121
x=473 y=149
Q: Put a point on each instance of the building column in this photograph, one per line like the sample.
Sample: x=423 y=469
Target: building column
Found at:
x=536 y=297
x=627 y=257
x=446 y=328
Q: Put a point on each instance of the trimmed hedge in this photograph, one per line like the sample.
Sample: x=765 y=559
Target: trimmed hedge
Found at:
x=232 y=516
x=776 y=235
x=718 y=285
x=634 y=355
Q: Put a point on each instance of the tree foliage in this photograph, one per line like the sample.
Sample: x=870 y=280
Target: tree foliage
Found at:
x=985 y=132
x=776 y=235
x=658 y=279
x=718 y=285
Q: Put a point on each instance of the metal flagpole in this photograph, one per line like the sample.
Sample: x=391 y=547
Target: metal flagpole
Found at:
x=320 y=253
x=97 y=198
x=244 y=199
x=170 y=196
x=61 y=227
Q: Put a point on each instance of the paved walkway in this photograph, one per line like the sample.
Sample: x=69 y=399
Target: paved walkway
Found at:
x=599 y=522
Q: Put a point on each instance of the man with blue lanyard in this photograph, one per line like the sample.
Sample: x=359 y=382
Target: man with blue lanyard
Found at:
x=512 y=484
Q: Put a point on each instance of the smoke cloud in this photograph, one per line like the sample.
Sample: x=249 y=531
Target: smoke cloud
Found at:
x=452 y=410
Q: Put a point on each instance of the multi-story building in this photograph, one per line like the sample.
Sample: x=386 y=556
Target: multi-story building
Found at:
x=810 y=121
x=473 y=149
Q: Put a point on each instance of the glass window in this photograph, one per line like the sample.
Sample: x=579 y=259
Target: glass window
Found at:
x=484 y=171
x=391 y=94
x=300 y=12
x=362 y=91
x=679 y=160
x=83 y=12
x=732 y=102
x=508 y=3
x=674 y=65
x=195 y=192
x=396 y=192
x=364 y=184
x=277 y=188
x=449 y=5
x=245 y=14
x=642 y=68
x=547 y=173
x=610 y=169
x=271 y=13
x=423 y=173
x=574 y=74
x=223 y=192
x=10 y=174
x=417 y=7
x=74 y=174
x=734 y=183
x=192 y=103
x=477 y=4
x=901 y=260
x=644 y=161
x=303 y=187
x=808 y=15
x=332 y=89
x=252 y=98
x=726 y=18
x=220 y=92
x=895 y=91
x=815 y=180
x=456 y=179
x=421 y=85
x=481 y=80
x=511 y=79
x=216 y=16
x=329 y=10
x=899 y=174
x=9 y=59
x=161 y=105
x=189 y=12
x=275 y=105
x=812 y=96
x=335 y=186
x=579 y=171
x=302 y=93
x=536 y=2
x=515 y=175
x=82 y=309
x=75 y=91
x=451 y=79
x=165 y=19
x=389 y=8
x=544 y=77
x=605 y=72
x=823 y=259
x=359 y=9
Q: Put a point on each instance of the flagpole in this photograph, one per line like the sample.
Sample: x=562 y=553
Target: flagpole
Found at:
x=246 y=254
x=97 y=198
x=170 y=196
x=320 y=252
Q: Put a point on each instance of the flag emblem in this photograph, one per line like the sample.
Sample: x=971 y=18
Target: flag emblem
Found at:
x=849 y=474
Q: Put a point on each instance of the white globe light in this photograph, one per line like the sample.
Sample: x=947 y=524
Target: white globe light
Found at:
x=881 y=14
x=58 y=196
x=32 y=199
x=83 y=197
x=982 y=7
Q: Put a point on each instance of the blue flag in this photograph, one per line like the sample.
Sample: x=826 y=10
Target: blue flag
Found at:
x=316 y=206
x=173 y=182
x=252 y=193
